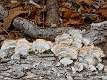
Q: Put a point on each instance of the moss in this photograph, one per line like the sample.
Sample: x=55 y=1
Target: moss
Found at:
x=30 y=51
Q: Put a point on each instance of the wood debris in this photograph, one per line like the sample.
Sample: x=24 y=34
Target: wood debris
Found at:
x=50 y=16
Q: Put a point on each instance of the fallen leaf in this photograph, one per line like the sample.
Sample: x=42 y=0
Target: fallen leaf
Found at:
x=70 y=17
x=68 y=13
x=14 y=35
x=73 y=22
x=85 y=1
x=102 y=11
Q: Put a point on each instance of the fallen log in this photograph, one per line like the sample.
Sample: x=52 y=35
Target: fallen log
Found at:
x=29 y=29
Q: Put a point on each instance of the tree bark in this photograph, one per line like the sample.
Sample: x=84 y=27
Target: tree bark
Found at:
x=52 y=17
x=34 y=31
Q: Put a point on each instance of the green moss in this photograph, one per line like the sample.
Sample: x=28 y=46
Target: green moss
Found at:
x=31 y=51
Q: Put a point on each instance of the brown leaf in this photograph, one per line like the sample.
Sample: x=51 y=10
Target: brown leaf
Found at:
x=70 y=17
x=73 y=22
x=102 y=12
x=88 y=10
x=68 y=13
x=84 y=1
x=14 y=35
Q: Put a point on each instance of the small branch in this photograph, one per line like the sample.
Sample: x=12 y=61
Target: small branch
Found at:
x=34 y=31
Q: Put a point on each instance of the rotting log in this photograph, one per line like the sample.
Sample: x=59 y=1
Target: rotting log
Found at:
x=52 y=17
x=29 y=29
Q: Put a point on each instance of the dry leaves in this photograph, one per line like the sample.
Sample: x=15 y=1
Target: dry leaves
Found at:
x=73 y=23
x=84 y=1
x=70 y=17
x=102 y=12
x=14 y=35
x=68 y=13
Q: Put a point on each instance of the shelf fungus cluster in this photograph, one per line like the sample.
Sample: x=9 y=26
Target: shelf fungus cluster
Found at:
x=71 y=49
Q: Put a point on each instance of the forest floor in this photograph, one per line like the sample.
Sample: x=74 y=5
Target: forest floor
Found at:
x=46 y=19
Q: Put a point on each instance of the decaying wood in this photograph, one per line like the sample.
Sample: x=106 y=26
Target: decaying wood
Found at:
x=34 y=31
x=11 y=15
x=52 y=17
